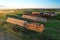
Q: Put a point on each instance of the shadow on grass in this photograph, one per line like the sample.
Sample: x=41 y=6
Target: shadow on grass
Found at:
x=32 y=35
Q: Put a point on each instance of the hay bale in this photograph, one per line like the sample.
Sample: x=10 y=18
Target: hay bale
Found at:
x=35 y=27
x=16 y=21
x=38 y=19
x=11 y=20
x=25 y=24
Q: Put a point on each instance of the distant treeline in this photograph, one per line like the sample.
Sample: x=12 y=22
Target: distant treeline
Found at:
x=31 y=9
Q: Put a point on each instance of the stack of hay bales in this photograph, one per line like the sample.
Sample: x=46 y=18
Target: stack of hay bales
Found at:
x=21 y=23
x=16 y=21
x=38 y=19
x=35 y=27
x=50 y=14
x=11 y=20
x=31 y=26
x=35 y=13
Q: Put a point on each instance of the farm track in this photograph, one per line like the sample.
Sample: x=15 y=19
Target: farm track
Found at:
x=8 y=36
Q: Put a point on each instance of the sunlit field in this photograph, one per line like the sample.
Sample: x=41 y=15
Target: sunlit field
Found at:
x=51 y=31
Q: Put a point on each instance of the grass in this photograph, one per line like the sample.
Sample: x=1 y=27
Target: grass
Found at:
x=53 y=29
x=51 y=32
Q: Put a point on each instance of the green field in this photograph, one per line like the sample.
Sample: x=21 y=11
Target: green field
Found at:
x=51 y=32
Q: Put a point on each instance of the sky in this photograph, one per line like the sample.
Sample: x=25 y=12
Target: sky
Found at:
x=29 y=4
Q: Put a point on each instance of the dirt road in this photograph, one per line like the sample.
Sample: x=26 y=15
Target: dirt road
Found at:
x=8 y=36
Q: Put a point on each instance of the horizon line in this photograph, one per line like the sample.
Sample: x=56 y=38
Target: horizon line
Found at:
x=29 y=8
